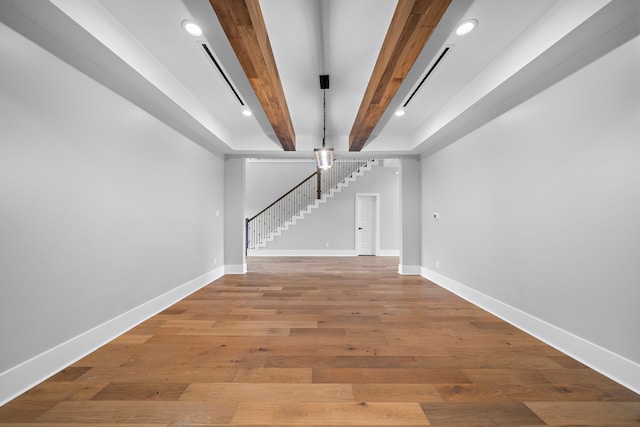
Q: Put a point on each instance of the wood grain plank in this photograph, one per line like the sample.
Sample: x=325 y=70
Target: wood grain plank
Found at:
x=222 y=331
x=396 y=393
x=586 y=377
x=317 y=332
x=520 y=392
x=329 y=413
x=270 y=392
x=24 y=410
x=587 y=413
x=177 y=373
x=486 y=414
x=274 y=375
x=399 y=376
x=465 y=358
x=283 y=324
x=70 y=373
x=141 y=391
x=300 y=361
x=383 y=362
x=133 y=339
x=506 y=376
x=92 y=412
x=63 y=390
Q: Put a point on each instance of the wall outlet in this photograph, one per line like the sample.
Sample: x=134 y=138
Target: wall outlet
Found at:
x=437 y=264
x=217 y=212
x=215 y=261
x=326 y=245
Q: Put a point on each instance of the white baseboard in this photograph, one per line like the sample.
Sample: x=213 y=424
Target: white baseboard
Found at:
x=306 y=252
x=409 y=270
x=295 y=252
x=21 y=378
x=388 y=252
x=612 y=365
x=235 y=269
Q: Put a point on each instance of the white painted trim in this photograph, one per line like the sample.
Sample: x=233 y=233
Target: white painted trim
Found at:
x=388 y=252
x=296 y=252
x=377 y=230
x=235 y=269
x=409 y=270
x=21 y=378
x=608 y=363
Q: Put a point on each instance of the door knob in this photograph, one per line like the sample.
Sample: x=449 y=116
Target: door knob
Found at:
x=359 y=228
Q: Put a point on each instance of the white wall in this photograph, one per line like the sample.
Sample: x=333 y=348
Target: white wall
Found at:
x=102 y=209
x=540 y=212
x=234 y=216
x=410 y=217
x=334 y=222
x=267 y=180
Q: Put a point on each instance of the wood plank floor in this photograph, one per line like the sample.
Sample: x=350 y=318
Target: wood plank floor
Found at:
x=325 y=341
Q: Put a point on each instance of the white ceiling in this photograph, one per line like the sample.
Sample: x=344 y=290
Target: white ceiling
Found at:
x=139 y=49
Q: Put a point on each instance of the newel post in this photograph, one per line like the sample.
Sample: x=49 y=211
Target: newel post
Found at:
x=246 y=236
x=319 y=184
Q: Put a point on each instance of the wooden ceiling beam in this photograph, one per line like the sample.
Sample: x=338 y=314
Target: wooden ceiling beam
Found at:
x=410 y=28
x=243 y=23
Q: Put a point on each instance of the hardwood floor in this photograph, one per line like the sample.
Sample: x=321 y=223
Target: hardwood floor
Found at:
x=325 y=341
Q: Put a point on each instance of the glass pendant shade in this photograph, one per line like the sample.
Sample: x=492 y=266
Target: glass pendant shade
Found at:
x=324 y=157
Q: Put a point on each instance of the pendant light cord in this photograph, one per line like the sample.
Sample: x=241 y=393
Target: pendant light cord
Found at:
x=324 y=116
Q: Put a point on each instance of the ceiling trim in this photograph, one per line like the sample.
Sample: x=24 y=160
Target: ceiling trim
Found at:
x=243 y=23
x=410 y=28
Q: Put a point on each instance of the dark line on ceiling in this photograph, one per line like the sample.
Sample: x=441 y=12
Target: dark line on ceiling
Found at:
x=433 y=67
x=222 y=73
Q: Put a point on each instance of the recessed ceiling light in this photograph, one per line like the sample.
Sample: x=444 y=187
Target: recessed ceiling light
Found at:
x=192 y=28
x=466 y=27
x=400 y=113
x=246 y=112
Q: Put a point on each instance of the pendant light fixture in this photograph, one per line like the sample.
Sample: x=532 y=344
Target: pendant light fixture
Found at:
x=324 y=156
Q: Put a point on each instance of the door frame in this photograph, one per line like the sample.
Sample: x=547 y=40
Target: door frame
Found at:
x=376 y=197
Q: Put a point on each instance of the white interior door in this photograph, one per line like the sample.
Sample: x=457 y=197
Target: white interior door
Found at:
x=366 y=224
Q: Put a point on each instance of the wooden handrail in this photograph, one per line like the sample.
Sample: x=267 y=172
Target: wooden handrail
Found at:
x=284 y=195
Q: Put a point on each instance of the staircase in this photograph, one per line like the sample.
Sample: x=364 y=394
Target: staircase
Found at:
x=298 y=202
